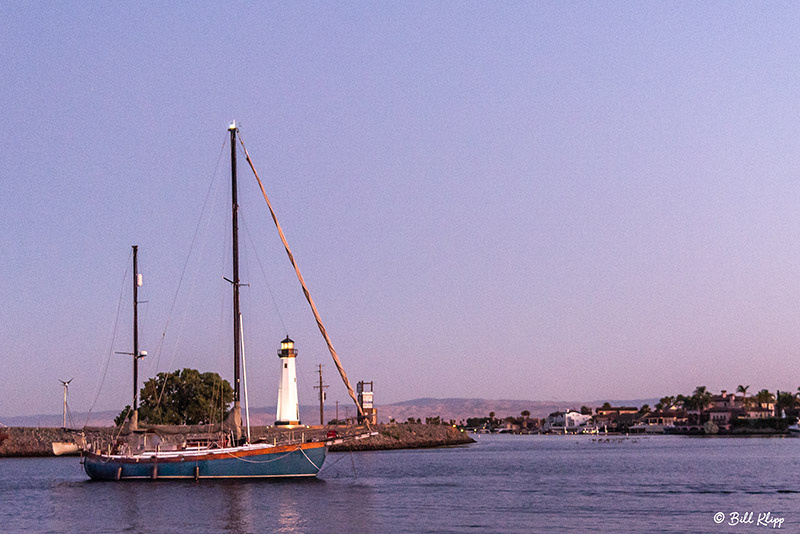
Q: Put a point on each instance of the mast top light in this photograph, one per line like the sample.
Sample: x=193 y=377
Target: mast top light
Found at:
x=232 y=126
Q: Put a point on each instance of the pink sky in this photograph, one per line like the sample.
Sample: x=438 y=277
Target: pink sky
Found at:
x=499 y=201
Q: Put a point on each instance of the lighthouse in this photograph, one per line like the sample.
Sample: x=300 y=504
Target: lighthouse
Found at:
x=288 y=406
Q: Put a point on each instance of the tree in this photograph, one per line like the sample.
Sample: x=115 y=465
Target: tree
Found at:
x=476 y=422
x=126 y=413
x=644 y=410
x=743 y=390
x=702 y=398
x=585 y=410
x=185 y=397
x=785 y=401
x=684 y=402
x=525 y=414
x=764 y=397
x=665 y=403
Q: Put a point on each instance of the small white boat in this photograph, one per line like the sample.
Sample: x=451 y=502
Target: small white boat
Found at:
x=64 y=447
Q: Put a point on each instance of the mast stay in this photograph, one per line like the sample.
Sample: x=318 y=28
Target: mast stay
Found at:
x=310 y=300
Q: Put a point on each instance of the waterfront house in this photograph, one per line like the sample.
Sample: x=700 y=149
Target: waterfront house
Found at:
x=723 y=417
x=726 y=400
x=617 y=419
x=569 y=421
x=760 y=412
x=669 y=417
x=617 y=410
x=654 y=422
x=508 y=427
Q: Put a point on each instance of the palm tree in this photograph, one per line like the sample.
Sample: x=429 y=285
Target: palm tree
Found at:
x=743 y=390
x=702 y=396
x=785 y=401
x=700 y=400
x=764 y=397
x=665 y=403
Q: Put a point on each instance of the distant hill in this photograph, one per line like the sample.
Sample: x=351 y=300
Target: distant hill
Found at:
x=258 y=416
x=454 y=408
x=79 y=419
x=458 y=409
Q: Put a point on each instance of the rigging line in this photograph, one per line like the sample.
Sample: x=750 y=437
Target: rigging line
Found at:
x=113 y=337
x=152 y=365
x=121 y=425
x=183 y=271
x=328 y=465
x=263 y=272
x=317 y=467
x=244 y=376
x=305 y=289
x=353 y=463
x=69 y=417
x=241 y=459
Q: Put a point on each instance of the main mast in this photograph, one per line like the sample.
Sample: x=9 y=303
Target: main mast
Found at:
x=136 y=283
x=237 y=409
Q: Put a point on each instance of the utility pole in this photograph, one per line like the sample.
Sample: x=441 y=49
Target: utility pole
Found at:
x=321 y=389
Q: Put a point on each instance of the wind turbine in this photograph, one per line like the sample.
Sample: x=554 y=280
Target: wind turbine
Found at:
x=66 y=388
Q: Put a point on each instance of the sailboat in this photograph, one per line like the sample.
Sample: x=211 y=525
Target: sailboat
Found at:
x=235 y=456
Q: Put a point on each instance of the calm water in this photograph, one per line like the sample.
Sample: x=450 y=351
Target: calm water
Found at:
x=500 y=484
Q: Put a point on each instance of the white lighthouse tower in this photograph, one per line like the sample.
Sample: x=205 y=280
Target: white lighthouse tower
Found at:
x=288 y=405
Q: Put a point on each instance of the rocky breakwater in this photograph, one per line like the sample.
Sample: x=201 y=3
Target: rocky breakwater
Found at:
x=406 y=436
x=25 y=441
x=20 y=441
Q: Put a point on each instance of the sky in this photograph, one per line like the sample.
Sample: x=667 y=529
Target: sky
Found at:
x=508 y=200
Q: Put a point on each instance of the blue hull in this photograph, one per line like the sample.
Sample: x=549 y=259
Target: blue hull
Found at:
x=288 y=461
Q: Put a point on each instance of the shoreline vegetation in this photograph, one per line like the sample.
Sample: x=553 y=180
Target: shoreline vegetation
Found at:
x=702 y=413
x=28 y=442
